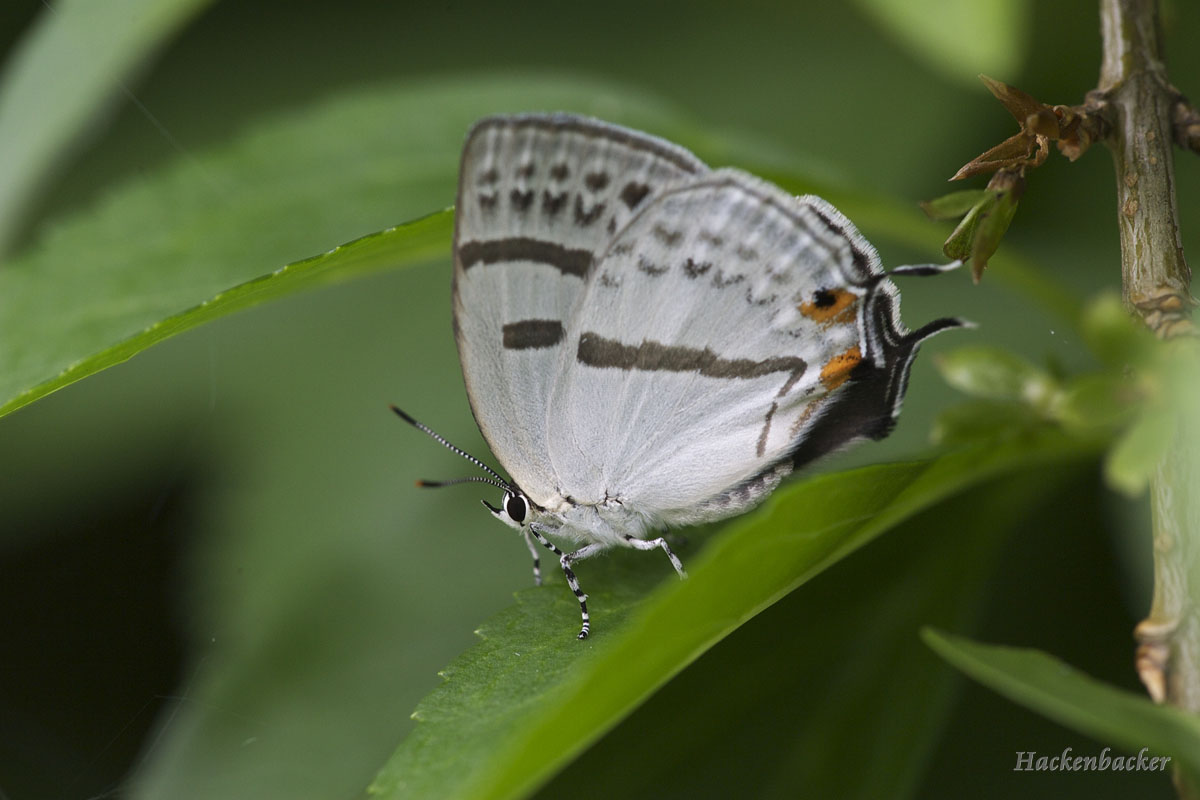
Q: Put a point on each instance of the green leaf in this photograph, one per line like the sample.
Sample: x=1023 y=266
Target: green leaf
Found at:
x=1046 y=685
x=996 y=374
x=1100 y=400
x=960 y=40
x=121 y=276
x=989 y=230
x=1114 y=335
x=79 y=53
x=887 y=708
x=976 y=420
x=953 y=205
x=421 y=240
x=528 y=698
x=961 y=242
x=1133 y=459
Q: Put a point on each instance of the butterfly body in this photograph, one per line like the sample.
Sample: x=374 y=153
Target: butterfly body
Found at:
x=647 y=342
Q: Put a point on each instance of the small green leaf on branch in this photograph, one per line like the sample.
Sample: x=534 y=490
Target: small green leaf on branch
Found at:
x=985 y=221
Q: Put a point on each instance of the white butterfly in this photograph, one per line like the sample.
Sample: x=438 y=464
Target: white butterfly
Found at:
x=648 y=342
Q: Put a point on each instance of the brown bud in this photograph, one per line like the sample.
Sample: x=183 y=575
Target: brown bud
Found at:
x=1018 y=103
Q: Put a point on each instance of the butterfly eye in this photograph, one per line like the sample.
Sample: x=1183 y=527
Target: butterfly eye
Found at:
x=823 y=298
x=517 y=507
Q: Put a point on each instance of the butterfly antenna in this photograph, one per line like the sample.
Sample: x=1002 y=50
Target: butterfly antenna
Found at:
x=472 y=479
x=500 y=482
x=919 y=270
x=924 y=270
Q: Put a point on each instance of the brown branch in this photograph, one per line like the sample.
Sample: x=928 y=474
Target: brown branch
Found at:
x=1138 y=101
x=1146 y=115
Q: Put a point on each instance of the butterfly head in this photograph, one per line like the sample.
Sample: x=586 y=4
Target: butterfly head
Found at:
x=515 y=510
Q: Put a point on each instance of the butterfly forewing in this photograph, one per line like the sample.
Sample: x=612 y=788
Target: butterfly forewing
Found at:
x=539 y=197
x=708 y=336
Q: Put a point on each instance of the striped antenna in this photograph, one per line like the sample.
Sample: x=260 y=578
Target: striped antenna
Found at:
x=472 y=479
x=499 y=481
x=924 y=269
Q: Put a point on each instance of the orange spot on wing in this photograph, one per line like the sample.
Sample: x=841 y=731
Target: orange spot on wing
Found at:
x=836 y=370
x=835 y=307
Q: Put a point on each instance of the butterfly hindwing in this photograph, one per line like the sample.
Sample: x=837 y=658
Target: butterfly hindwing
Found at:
x=539 y=196
x=715 y=326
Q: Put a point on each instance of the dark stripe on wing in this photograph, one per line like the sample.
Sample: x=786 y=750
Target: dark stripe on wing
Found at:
x=596 y=351
x=531 y=334
x=522 y=248
x=860 y=258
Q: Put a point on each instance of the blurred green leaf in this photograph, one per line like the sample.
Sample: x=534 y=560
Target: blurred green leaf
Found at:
x=1157 y=381
x=1132 y=461
x=976 y=420
x=1114 y=335
x=953 y=205
x=996 y=374
x=528 y=698
x=73 y=62
x=960 y=40
x=1146 y=386
x=1100 y=400
x=1046 y=685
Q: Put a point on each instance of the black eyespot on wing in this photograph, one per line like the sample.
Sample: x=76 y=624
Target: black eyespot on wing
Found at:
x=596 y=181
x=823 y=298
x=634 y=193
x=517 y=506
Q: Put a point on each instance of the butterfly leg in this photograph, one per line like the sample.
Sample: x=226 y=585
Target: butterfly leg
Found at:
x=565 y=560
x=537 y=562
x=650 y=544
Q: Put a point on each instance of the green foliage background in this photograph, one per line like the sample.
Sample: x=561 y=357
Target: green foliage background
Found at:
x=218 y=580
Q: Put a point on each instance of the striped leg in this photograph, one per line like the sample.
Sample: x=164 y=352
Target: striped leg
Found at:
x=650 y=544
x=564 y=560
x=537 y=562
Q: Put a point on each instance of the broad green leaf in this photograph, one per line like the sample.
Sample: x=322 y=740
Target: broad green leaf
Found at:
x=960 y=40
x=1046 y=685
x=70 y=65
x=421 y=240
x=122 y=275
x=528 y=698
x=832 y=676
